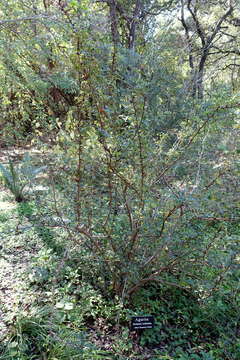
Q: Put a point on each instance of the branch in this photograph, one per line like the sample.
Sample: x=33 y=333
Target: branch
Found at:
x=216 y=178
x=153 y=278
x=114 y=21
x=197 y=23
x=27 y=18
x=196 y=133
x=213 y=218
x=218 y=26
x=230 y=66
x=234 y=37
x=186 y=28
x=234 y=51
x=122 y=12
x=129 y=211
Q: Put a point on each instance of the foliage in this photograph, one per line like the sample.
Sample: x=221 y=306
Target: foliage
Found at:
x=41 y=336
x=188 y=325
x=140 y=207
x=135 y=224
x=189 y=328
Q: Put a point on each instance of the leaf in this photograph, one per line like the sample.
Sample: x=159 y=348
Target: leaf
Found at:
x=13 y=344
x=59 y=305
x=68 y=306
x=64 y=305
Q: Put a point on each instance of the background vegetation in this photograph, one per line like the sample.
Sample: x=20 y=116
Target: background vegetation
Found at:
x=119 y=142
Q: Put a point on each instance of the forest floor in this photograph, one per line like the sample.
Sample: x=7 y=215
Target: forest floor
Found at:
x=16 y=253
x=15 y=260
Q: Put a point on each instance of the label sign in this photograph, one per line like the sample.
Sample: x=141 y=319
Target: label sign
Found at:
x=142 y=322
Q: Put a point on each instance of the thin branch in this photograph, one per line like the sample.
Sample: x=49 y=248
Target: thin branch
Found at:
x=153 y=278
x=218 y=26
x=189 y=42
x=197 y=23
x=27 y=18
x=128 y=209
x=230 y=65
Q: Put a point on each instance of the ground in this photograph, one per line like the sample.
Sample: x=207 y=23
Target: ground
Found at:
x=16 y=253
x=15 y=259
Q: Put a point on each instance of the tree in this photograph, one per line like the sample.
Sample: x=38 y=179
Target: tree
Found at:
x=203 y=37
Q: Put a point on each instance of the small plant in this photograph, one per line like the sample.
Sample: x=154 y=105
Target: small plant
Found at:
x=18 y=177
x=42 y=337
x=12 y=181
x=3 y=218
